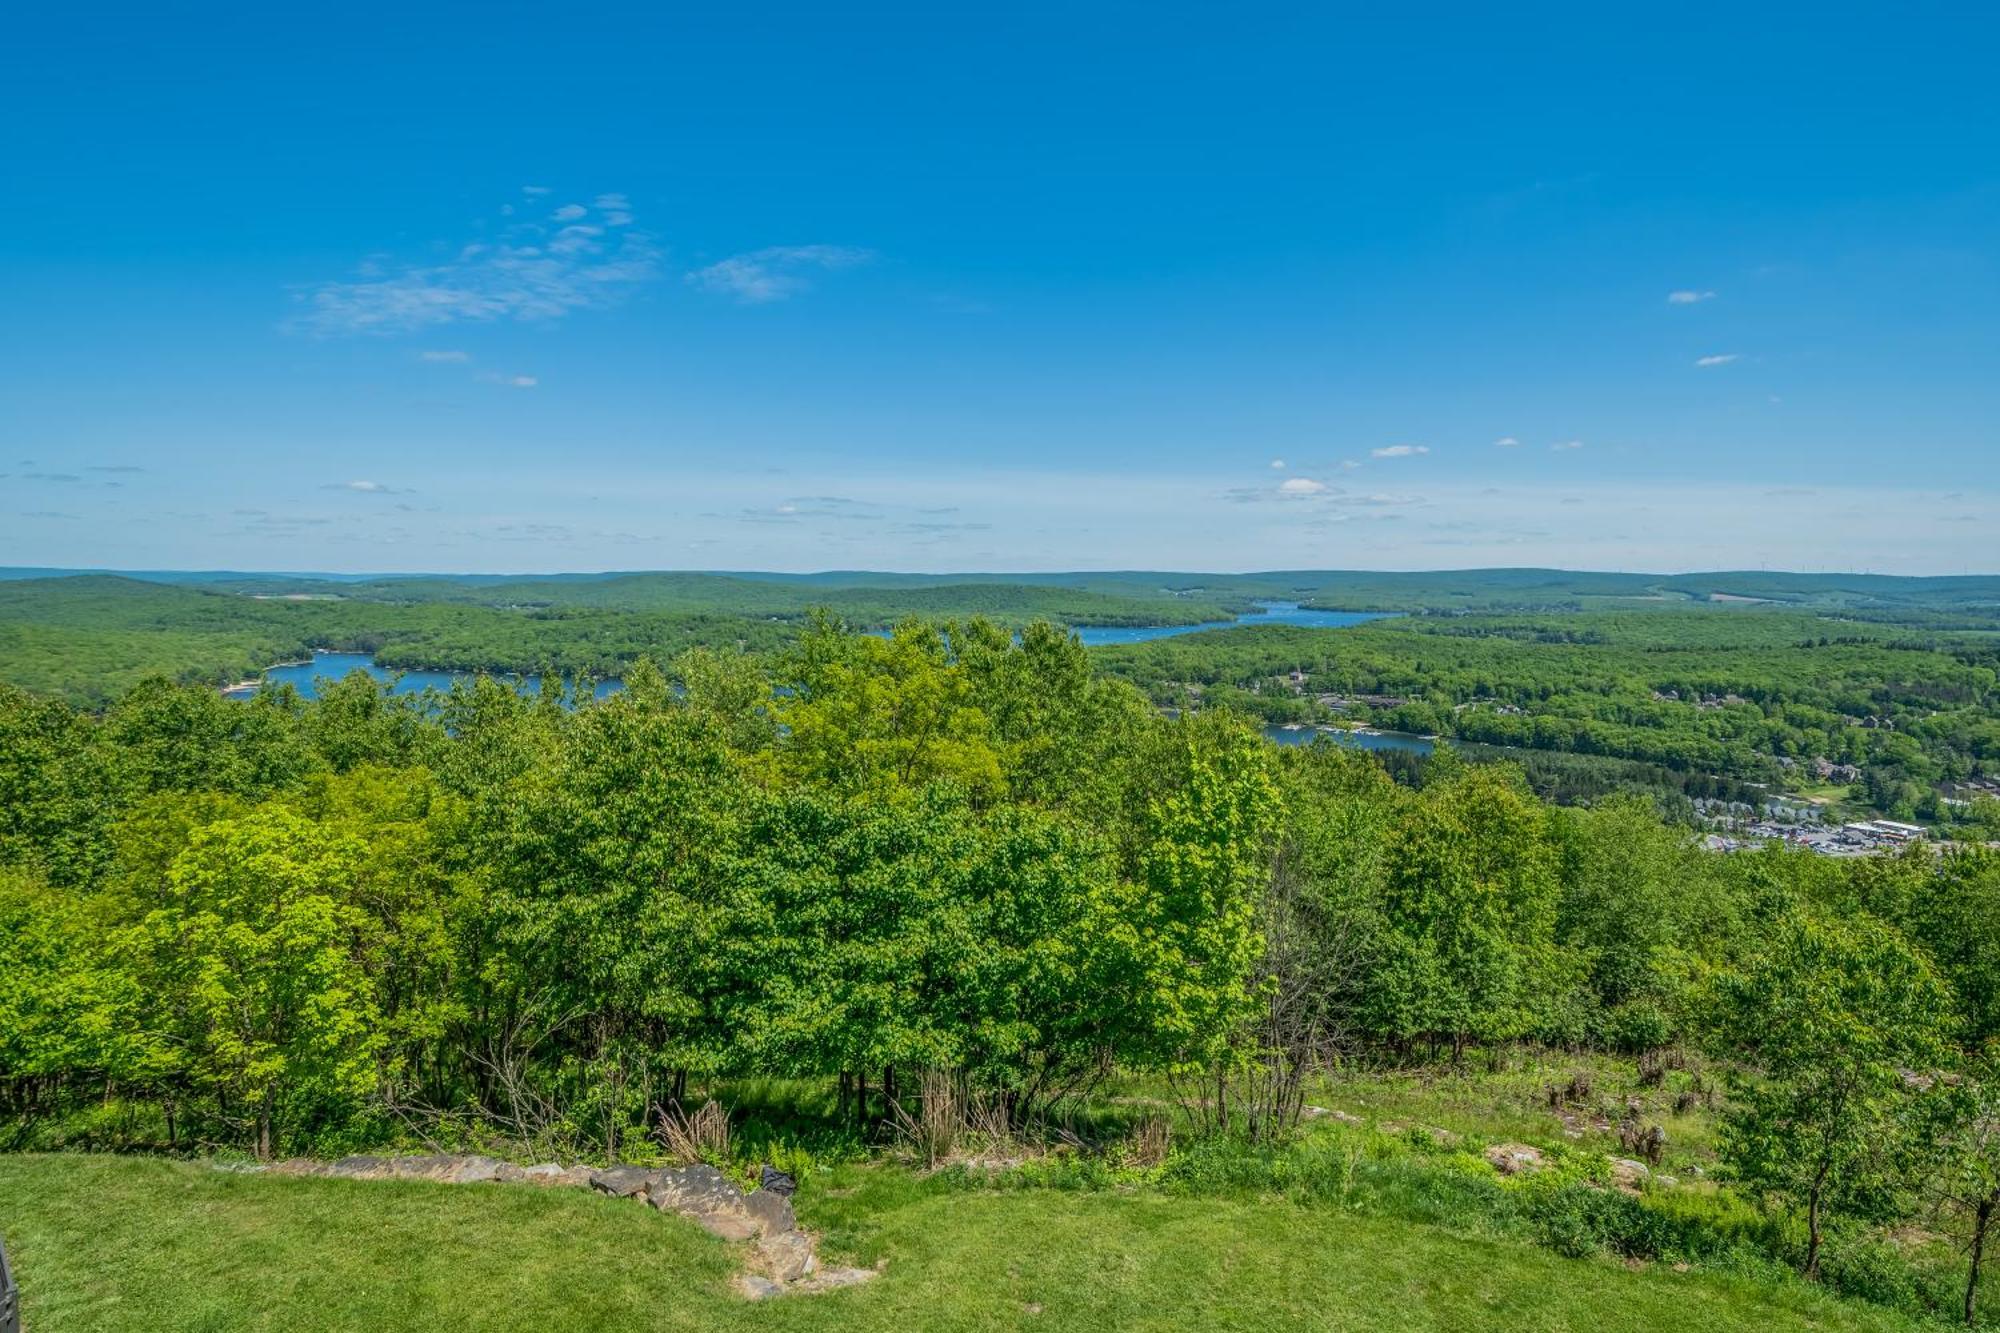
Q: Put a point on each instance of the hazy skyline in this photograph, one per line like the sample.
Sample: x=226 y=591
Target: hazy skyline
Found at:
x=498 y=289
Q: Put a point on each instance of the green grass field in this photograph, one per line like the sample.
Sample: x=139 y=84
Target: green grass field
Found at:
x=134 y=1243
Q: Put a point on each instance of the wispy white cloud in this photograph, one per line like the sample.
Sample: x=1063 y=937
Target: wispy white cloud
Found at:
x=1565 y=446
x=1719 y=359
x=1689 y=296
x=1399 y=451
x=1278 y=464
x=1506 y=442
x=531 y=271
x=776 y=272
x=569 y=212
x=444 y=356
x=1301 y=486
x=362 y=488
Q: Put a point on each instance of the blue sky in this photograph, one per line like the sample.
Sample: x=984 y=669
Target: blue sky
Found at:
x=500 y=287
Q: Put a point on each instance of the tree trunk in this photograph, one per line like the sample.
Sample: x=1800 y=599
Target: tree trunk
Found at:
x=861 y=1099
x=1981 y=1220
x=1812 y=1226
x=264 y=1131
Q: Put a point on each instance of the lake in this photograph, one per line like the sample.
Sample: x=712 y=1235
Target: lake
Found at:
x=1270 y=613
x=1360 y=740
x=303 y=676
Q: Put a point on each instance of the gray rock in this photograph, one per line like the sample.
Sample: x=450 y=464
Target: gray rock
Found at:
x=622 y=1182
x=694 y=1190
x=360 y=1168
x=549 y=1173
x=728 y=1225
x=1628 y=1175
x=428 y=1166
x=772 y=1212
x=475 y=1170
x=1514 y=1158
x=832 y=1279
x=789 y=1257
x=506 y=1173
x=755 y=1288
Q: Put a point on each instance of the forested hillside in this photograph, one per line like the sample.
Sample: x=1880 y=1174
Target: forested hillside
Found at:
x=91 y=637
x=955 y=869
x=1749 y=693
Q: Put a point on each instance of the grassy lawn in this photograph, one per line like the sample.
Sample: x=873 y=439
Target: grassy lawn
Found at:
x=133 y=1243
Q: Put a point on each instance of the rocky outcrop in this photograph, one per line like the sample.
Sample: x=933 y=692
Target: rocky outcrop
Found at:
x=1511 y=1159
x=783 y=1259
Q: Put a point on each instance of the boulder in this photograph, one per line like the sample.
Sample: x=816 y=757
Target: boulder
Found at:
x=694 y=1190
x=550 y=1173
x=622 y=1182
x=728 y=1225
x=475 y=1170
x=787 y=1256
x=1629 y=1175
x=426 y=1166
x=360 y=1168
x=772 y=1212
x=1511 y=1159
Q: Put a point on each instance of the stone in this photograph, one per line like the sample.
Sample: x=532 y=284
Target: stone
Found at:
x=506 y=1173
x=360 y=1168
x=776 y=1182
x=474 y=1171
x=1511 y=1159
x=622 y=1182
x=1629 y=1175
x=789 y=1256
x=427 y=1166
x=832 y=1279
x=550 y=1173
x=728 y=1226
x=771 y=1211
x=755 y=1288
x=694 y=1190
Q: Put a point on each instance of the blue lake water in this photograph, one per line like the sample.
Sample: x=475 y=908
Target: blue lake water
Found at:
x=1360 y=740
x=1273 y=613
x=304 y=676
